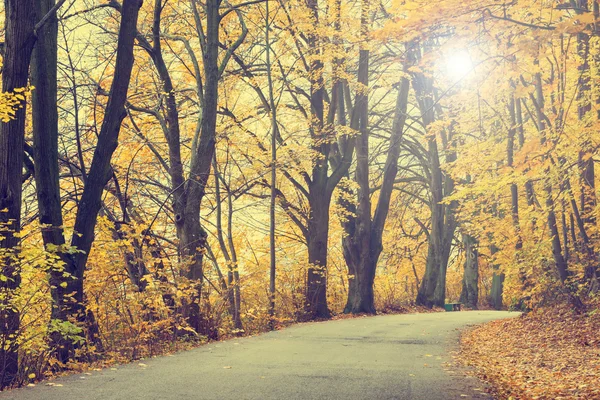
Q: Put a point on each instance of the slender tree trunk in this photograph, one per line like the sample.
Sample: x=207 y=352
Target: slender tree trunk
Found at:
x=586 y=161
x=561 y=264
x=274 y=130
x=19 y=42
x=229 y=285
x=234 y=266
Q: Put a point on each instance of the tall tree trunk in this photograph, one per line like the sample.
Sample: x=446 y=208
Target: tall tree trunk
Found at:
x=496 y=293
x=430 y=294
x=274 y=130
x=586 y=162
x=470 y=284
x=319 y=198
x=359 y=255
x=19 y=42
x=450 y=222
x=100 y=171
x=561 y=264
x=363 y=247
x=192 y=235
x=45 y=144
x=318 y=234
x=228 y=250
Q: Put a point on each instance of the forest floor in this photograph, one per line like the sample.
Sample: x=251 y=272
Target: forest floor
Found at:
x=400 y=357
x=551 y=353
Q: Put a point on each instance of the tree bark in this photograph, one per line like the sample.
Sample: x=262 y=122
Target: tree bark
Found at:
x=470 y=284
x=319 y=198
x=588 y=201
x=363 y=242
x=433 y=285
x=192 y=235
x=497 y=290
x=19 y=42
x=45 y=144
x=100 y=171
x=317 y=239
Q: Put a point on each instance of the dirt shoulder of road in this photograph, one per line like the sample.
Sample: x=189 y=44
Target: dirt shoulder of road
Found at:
x=547 y=354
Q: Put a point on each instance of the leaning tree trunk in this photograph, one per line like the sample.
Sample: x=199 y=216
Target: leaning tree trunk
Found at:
x=100 y=171
x=470 y=284
x=19 y=41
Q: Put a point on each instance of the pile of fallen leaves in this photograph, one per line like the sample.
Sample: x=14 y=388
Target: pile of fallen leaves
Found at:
x=547 y=354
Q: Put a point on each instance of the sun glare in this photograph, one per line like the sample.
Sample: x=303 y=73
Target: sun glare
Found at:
x=459 y=65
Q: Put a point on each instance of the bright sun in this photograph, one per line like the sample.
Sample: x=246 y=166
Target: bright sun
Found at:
x=458 y=65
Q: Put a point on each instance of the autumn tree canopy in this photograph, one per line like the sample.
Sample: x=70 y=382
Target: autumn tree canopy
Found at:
x=177 y=171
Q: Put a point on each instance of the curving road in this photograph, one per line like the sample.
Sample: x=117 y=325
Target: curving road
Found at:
x=382 y=357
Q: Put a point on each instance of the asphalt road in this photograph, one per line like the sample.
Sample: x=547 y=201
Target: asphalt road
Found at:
x=382 y=357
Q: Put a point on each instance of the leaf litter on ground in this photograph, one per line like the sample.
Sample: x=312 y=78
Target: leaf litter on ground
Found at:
x=552 y=353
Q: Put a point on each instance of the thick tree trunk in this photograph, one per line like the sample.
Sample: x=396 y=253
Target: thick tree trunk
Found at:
x=497 y=290
x=361 y=297
x=360 y=256
x=430 y=292
x=318 y=234
x=319 y=193
x=426 y=296
x=470 y=284
x=362 y=247
x=19 y=41
x=450 y=224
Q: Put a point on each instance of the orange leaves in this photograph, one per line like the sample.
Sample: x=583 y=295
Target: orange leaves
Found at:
x=548 y=354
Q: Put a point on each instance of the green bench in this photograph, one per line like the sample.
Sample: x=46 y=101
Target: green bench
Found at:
x=452 y=306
